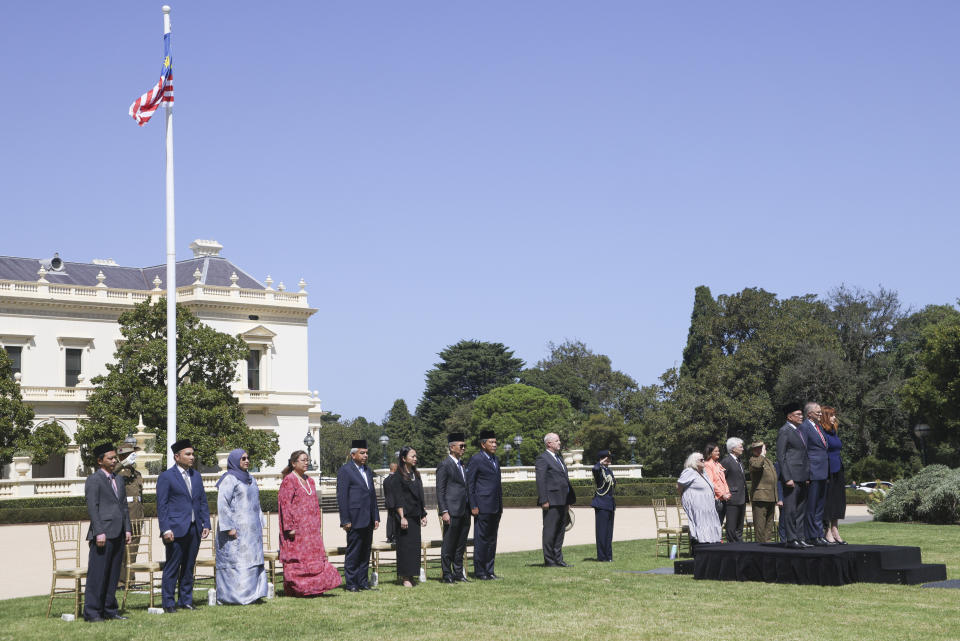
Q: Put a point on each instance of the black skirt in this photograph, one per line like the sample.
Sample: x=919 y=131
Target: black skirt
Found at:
x=408 y=548
x=836 y=504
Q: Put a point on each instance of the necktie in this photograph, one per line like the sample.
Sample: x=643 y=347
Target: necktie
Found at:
x=493 y=461
x=113 y=482
x=462 y=473
x=186 y=479
x=365 y=481
x=823 y=440
x=560 y=461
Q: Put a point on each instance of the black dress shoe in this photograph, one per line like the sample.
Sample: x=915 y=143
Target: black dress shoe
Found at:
x=564 y=564
x=117 y=617
x=794 y=545
x=483 y=577
x=820 y=542
x=170 y=610
x=187 y=606
x=495 y=577
x=464 y=579
x=447 y=579
x=368 y=587
x=841 y=542
x=805 y=544
x=351 y=588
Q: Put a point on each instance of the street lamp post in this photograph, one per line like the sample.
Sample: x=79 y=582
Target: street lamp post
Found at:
x=632 y=440
x=518 y=440
x=506 y=448
x=308 y=440
x=384 y=439
x=922 y=430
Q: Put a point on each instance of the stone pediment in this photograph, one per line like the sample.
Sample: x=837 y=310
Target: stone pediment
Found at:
x=258 y=334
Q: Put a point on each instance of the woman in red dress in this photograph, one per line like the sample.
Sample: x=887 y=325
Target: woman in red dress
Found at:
x=306 y=569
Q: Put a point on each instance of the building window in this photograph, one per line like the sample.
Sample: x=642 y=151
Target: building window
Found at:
x=253 y=369
x=16 y=354
x=73 y=366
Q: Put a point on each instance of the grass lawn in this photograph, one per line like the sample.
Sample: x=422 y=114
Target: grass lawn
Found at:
x=589 y=601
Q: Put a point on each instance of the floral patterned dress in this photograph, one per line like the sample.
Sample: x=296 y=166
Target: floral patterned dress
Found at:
x=306 y=569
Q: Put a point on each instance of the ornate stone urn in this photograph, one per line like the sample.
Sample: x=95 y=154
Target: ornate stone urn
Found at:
x=23 y=465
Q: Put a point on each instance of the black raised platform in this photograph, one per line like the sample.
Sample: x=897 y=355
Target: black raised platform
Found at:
x=834 y=565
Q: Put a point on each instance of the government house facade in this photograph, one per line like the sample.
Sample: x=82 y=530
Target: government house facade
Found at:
x=58 y=323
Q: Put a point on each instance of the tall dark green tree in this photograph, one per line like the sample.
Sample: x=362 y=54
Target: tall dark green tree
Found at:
x=585 y=379
x=523 y=410
x=15 y=415
x=932 y=394
x=466 y=370
x=207 y=411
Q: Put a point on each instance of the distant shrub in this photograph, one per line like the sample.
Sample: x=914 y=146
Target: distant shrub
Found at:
x=870 y=468
x=932 y=496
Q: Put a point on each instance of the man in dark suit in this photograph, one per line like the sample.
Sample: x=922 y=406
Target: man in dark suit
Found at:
x=453 y=508
x=604 y=505
x=184 y=519
x=795 y=476
x=359 y=516
x=737 y=484
x=485 y=498
x=109 y=530
x=555 y=496
x=819 y=471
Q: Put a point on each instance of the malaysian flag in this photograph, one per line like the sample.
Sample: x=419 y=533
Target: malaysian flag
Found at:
x=143 y=107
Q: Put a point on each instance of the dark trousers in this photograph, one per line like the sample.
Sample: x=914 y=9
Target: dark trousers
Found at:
x=103 y=572
x=735 y=514
x=763 y=517
x=181 y=557
x=485 y=528
x=454 y=546
x=356 y=563
x=604 y=527
x=554 y=528
x=793 y=514
x=816 y=500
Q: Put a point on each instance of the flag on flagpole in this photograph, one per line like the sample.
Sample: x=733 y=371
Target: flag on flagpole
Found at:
x=143 y=107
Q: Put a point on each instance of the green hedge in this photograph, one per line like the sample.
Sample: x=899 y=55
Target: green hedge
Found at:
x=628 y=493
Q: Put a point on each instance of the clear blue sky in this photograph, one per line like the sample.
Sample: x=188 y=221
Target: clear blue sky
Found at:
x=508 y=171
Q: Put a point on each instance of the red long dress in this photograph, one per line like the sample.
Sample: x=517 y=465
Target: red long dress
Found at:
x=306 y=569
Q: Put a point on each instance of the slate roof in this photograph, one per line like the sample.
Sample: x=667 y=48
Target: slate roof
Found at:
x=215 y=271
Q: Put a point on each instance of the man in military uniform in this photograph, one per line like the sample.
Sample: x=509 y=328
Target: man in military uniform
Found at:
x=133 y=486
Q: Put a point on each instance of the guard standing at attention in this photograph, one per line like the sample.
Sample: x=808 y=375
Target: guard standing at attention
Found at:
x=604 y=505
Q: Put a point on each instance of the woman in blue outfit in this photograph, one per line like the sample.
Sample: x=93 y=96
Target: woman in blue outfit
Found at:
x=836 y=504
x=241 y=578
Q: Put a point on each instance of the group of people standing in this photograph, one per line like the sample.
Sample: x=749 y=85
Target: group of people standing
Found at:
x=807 y=483
x=466 y=492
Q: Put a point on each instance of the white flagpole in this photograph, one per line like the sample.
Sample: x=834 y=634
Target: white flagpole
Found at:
x=171 y=280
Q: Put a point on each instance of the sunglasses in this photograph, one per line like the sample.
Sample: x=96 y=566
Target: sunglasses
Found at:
x=244 y=458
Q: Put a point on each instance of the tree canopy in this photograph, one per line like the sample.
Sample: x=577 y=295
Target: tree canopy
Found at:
x=15 y=415
x=522 y=410
x=466 y=370
x=135 y=384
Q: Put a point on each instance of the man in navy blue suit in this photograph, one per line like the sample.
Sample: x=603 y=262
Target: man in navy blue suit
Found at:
x=109 y=530
x=795 y=477
x=359 y=517
x=184 y=519
x=819 y=471
x=485 y=496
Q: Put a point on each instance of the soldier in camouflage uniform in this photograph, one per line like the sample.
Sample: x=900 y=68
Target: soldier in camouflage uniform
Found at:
x=133 y=485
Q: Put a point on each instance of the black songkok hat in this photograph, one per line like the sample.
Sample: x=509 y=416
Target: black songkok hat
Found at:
x=485 y=434
x=453 y=437
x=602 y=454
x=358 y=443
x=100 y=450
x=790 y=408
x=182 y=444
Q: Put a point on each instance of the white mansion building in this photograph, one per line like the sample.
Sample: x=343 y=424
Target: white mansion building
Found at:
x=58 y=322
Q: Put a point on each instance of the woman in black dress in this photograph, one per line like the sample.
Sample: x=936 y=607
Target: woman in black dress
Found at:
x=410 y=514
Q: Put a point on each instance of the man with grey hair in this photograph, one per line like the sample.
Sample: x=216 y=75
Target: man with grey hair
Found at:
x=359 y=516
x=819 y=471
x=737 y=484
x=554 y=496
